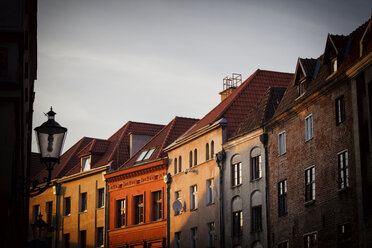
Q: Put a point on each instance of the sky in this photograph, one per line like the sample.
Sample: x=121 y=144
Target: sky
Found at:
x=104 y=63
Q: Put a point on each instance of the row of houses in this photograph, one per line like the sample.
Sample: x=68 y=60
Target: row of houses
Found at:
x=283 y=161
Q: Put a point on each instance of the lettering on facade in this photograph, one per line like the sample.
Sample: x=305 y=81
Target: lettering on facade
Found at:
x=135 y=181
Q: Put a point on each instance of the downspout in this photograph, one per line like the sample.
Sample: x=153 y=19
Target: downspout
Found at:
x=107 y=208
x=264 y=140
x=57 y=188
x=220 y=157
x=168 y=181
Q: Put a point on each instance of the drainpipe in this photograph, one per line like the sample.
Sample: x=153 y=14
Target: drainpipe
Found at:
x=264 y=140
x=220 y=157
x=57 y=191
x=168 y=181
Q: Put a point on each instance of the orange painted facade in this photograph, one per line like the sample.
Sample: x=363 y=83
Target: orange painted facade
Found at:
x=144 y=181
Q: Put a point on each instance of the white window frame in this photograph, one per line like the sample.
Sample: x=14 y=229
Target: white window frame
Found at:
x=211 y=227
x=282 y=148
x=310 y=180
x=86 y=163
x=210 y=191
x=194 y=197
x=236 y=176
x=343 y=170
x=178 y=196
x=309 y=123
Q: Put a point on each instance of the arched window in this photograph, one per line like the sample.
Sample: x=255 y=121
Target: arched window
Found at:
x=236 y=170
x=256 y=167
x=190 y=159
x=179 y=163
x=256 y=211
x=195 y=157
x=175 y=166
x=212 y=149
x=207 y=151
x=237 y=216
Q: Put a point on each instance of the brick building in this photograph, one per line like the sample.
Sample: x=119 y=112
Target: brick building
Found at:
x=75 y=208
x=319 y=144
x=137 y=192
x=203 y=218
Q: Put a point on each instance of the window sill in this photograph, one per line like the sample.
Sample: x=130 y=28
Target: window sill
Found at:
x=103 y=207
x=309 y=203
x=67 y=215
x=82 y=212
x=282 y=154
x=283 y=214
x=344 y=190
x=256 y=179
x=192 y=210
x=210 y=204
x=236 y=186
x=307 y=140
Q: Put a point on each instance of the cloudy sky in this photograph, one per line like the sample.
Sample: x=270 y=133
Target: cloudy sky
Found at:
x=103 y=63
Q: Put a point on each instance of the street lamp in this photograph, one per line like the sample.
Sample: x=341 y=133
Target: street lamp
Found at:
x=50 y=137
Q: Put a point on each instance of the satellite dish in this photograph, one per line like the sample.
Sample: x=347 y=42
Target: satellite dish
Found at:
x=177 y=205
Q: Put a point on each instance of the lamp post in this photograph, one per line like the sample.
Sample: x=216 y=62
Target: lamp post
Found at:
x=50 y=138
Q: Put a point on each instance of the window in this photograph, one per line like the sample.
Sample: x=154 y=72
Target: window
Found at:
x=85 y=163
x=334 y=65
x=210 y=234
x=35 y=212
x=212 y=149
x=175 y=166
x=256 y=167
x=343 y=170
x=282 y=197
x=309 y=127
x=67 y=205
x=206 y=151
x=49 y=212
x=145 y=155
x=340 y=110
x=195 y=157
x=121 y=219
x=83 y=202
x=237 y=223
x=190 y=159
x=281 y=144
x=194 y=197
x=193 y=237
x=138 y=201
x=210 y=194
x=283 y=244
x=310 y=184
x=301 y=88
x=311 y=240
x=66 y=240
x=236 y=172
x=83 y=239
x=157 y=205
x=101 y=198
x=178 y=197
x=179 y=163
x=177 y=239
x=344 y=236
x=256 y=218
x=100 y=236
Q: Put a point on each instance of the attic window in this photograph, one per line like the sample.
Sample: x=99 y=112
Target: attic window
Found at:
x=85 y=163
x=145 y=155
x=334 y=65
x=301 y=88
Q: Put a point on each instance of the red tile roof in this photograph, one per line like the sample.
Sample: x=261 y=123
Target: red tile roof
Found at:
x=115 y=149
x=236 y=106
x=260 y=114
x=162 y=139
x=291 y=98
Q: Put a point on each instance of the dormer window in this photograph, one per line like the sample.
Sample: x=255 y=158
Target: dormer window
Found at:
x=301 y=88
x=85 y=163
x=145 y=155
x=334 y=65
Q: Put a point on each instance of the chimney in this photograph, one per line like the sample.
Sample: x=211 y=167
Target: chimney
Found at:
x=230 y=84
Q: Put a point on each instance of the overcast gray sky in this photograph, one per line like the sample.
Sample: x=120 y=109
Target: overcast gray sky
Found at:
x=103 y=63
